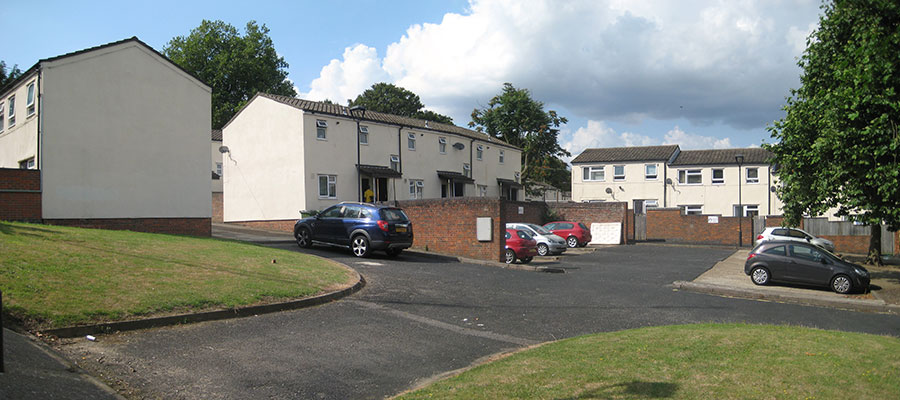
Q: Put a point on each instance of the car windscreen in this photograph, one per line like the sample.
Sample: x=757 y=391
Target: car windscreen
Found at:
x=393 y=215
x=540 y=229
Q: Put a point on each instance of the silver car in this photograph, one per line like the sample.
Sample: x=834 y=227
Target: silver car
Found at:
x=547 y=242
x=797 y=235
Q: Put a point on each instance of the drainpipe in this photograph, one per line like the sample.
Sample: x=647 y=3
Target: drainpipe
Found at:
x=665 y=188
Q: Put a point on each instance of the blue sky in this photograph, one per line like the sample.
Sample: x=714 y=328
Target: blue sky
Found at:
x=702 y=74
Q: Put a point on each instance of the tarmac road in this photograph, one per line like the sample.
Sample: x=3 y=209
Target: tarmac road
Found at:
x=420 y=316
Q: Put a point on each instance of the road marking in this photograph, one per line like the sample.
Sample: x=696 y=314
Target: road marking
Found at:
x=443 y=325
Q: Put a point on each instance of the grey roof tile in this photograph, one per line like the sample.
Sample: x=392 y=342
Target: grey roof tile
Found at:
x=622 y=154
x=752 y=156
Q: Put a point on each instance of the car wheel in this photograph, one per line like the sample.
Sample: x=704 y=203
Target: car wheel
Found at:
x=841 y=284
x=527 y=260
x=360 y=246
x=543 y=249
x=572 y=241
x=393 y=252
x=760 y=276
x=510 y=256
x=304 y=239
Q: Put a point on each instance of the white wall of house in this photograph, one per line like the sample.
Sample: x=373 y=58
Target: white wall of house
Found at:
x=20 y=141
x=125 y=134
x=264 y=170
x=334 y=156
x=636 y=184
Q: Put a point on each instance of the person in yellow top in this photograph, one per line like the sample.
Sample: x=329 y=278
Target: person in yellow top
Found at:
x=369 y=195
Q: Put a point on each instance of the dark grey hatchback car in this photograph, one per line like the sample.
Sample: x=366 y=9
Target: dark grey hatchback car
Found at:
x=361 y=226
x=797 y=262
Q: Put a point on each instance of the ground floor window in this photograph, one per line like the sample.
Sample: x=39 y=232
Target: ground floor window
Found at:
x=27 y=163
x=693 y=210
x=482 y=190
x=327 y=186
x=416 y=189
x=749 y=210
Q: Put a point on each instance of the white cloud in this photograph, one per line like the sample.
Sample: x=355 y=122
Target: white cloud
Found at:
x=345 y=79
x=695 y=142
x=599 y=134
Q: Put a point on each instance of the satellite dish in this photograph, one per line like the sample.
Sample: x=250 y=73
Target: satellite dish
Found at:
x=668 y=181
x=458 y=146
x=224 y=149
x=608 y=190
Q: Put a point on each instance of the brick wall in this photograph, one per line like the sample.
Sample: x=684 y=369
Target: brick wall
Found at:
x=174 y=226
x=275 y=225
x=670 y=225
x=533 y=212
x=850 y=244
x=20 y=195
x=589 y=213
x=448 y=226
x=217 y=210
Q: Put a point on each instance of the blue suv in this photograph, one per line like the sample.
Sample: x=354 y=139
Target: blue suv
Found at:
x=362 y=227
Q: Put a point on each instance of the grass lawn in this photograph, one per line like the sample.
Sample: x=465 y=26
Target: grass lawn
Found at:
x=709 y=361
x=55 y=276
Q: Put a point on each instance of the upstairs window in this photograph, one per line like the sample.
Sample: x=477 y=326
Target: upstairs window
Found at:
x=321 y=129
x=752 y=175
x=690 y=177
x=442 y=145
x=467 y=170
x=479 y=151
x=2 y=116
x=29 y=100
x=363 y=135
x=718 y=176
x=501 y=156
x=411 y=141
x=395 y=163
x=12 y=111
x=27 y=163
x=593 y=174
x=650 y=172
x=618 y=172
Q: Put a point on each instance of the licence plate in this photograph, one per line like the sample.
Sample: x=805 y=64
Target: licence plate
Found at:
x=400 y=229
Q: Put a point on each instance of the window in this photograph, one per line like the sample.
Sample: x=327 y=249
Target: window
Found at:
x=596 y=174
x=411 y=141
x=501 y=157
x=333 y=212
x=518 y=175
x=479 y=151
x=321 y=127
x=650 y=172
x=752 y=175
x=416 y=189
x=718 y=176
x=363 y=135
x=327 y=186
x=442 y=145
x=467 y=170
x=746 y=210
x=219 y=169
x=693 y=210
x=482 y=190
x=776 y=251
x=29 y=100
x=2 y=116
x=395 y=163
x=651 y=204
x=12 y=111
x=690 y=177
x=27 y=163
x=618 y=172
x=806 y=253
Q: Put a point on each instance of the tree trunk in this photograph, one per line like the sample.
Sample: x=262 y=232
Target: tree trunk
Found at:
x=874 y=256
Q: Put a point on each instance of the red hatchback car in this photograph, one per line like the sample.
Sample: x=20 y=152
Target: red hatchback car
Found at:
x=521 y=245
x=575 y=233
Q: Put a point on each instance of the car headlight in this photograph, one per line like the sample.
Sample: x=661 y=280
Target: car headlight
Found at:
x=861 y=272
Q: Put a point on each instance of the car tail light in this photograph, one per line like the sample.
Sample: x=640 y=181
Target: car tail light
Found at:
x=751 y=255
x=383 y=225
x=759 y=237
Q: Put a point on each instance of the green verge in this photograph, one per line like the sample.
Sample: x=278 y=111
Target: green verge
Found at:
x=710 y=361
x=54 y=277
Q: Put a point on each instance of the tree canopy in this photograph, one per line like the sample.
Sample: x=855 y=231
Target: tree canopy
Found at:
x=519 y=120
x=7 y=76
x=392 y=99
x=838 y=144
x=237 y=67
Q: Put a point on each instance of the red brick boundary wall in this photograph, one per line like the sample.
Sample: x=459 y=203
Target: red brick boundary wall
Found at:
x=589 y=213
x=853 y=244
x=217 y=210
x=670 y=225
x=20 y=195
x=448 y=226
x=173 y=226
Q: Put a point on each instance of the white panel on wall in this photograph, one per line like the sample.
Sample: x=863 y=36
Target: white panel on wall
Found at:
x=483 y=229
x=606 y=233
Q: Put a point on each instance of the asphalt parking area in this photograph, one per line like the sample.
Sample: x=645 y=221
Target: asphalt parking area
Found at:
x=420 y=316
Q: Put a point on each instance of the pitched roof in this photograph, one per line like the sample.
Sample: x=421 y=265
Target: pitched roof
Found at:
x=374 y=116
x=89 y=49
x=617 y=154
x=753 y=155
x=216 y=135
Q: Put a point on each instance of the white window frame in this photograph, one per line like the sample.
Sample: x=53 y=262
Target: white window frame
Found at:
x=29 y=100
x=720 y=180
x=11 y=117
x=684 y=176
x=479 y=152
x=330 y=186
x=517 y=176
x=482 y=190
x=411 y=141
x=467 y=170
x=364 y=135
x=587 y=173
x=219 y=169
x=2 y=116
x=618 y=177
x=395 y=162
x=754 y=180
x=750 y=207
x=416 y=189
x=647 y=175
x=442 y=145
x=693 y=210
x=321 y=129
x=502 y=156
x=27 y=163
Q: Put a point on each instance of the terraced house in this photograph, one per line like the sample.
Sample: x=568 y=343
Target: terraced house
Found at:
x=727 y=182
x=283 y=155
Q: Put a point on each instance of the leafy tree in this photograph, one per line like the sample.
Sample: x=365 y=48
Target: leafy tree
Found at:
x=838 y=144
x=237 y=67
x=392 y=99
x=517 y=119
x=8 y=76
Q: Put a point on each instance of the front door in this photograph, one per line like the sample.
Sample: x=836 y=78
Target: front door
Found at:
x=381 y=189
x=368 y=193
